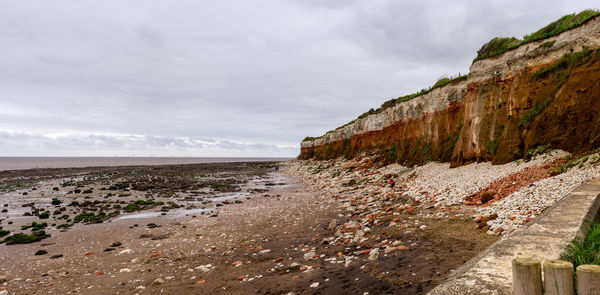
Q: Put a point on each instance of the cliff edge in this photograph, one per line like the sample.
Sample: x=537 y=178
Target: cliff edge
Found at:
x=537 y=93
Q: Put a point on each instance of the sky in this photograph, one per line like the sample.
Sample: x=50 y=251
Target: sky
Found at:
x=227 y=78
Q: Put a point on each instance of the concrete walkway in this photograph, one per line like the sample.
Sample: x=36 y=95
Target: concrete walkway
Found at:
x=545 y=238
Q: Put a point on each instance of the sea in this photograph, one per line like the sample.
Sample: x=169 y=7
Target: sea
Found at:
x=21 y=163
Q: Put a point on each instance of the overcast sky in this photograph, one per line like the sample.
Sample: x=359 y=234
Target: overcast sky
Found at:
x=227 y=78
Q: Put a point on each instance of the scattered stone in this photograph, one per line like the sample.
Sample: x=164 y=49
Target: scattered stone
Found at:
x=332 y=224
x=158 y=281
x=374 y=254
x=310 y=255
x=56 y=256
x=41 y=252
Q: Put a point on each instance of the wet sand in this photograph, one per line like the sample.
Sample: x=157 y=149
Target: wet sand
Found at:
x=260 y=246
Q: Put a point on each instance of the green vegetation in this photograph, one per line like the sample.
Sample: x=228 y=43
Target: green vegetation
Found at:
x=565 y=23
x=45 y=215
x=392 y=102
x=21 y=238
x=11 y=187
x=566 y=62
x=532 y=152
x=131 y=207
x=347 y=148
x=561 y=69
x=491 y=147
x=144 y=202
x=35 y=226
x=499 y=45
x=388 y=155
x=572 y=162
x=548 y=44
x=89 y=217
x=586 y=251
x=65 y=226
x=529 y=117
x=4 y=233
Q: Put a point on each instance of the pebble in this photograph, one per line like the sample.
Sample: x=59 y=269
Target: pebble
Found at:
x=158 y=281
x=309 y=255
x=41 y=252
x=436 y=185
x=374 y=254
x=126 y=251
x=314 y=285
x=205 y=268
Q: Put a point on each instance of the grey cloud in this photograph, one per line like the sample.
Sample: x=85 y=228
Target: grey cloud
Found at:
x=22 y=144
x=230 y=71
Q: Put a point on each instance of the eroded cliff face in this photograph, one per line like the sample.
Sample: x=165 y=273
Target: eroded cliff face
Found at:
x=542 y=93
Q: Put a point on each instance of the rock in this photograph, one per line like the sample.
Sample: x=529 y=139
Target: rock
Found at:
x=126 y=251
x=152 y=225
x=332 y=224
x=348 y=261
x=159 y=237
x=205 y=268
x=314 y=285
x=374 y=255
x=56 y=256
x=158 y=281
x=389 y=249
x=487 y=196
x=3 y=279
x=309 y=255
x=116 y=244
x=41 y=252
x=109 y=249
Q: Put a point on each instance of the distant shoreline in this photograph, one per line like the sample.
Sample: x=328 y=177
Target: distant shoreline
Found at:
x=23 y=163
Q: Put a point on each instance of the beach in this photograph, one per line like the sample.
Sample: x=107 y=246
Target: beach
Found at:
x=280 y=233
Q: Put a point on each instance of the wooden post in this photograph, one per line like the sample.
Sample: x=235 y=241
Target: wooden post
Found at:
x=588 y=279
x=527 y=276
x=558 y=278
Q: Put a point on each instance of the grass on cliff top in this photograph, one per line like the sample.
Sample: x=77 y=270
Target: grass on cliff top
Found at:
x=500 y=45
x=392 y=102
x=586 y=251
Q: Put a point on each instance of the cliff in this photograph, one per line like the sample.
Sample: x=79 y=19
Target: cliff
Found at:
x=541 y=93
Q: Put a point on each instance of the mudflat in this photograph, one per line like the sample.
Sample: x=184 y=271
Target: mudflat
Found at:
x=229 y=228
